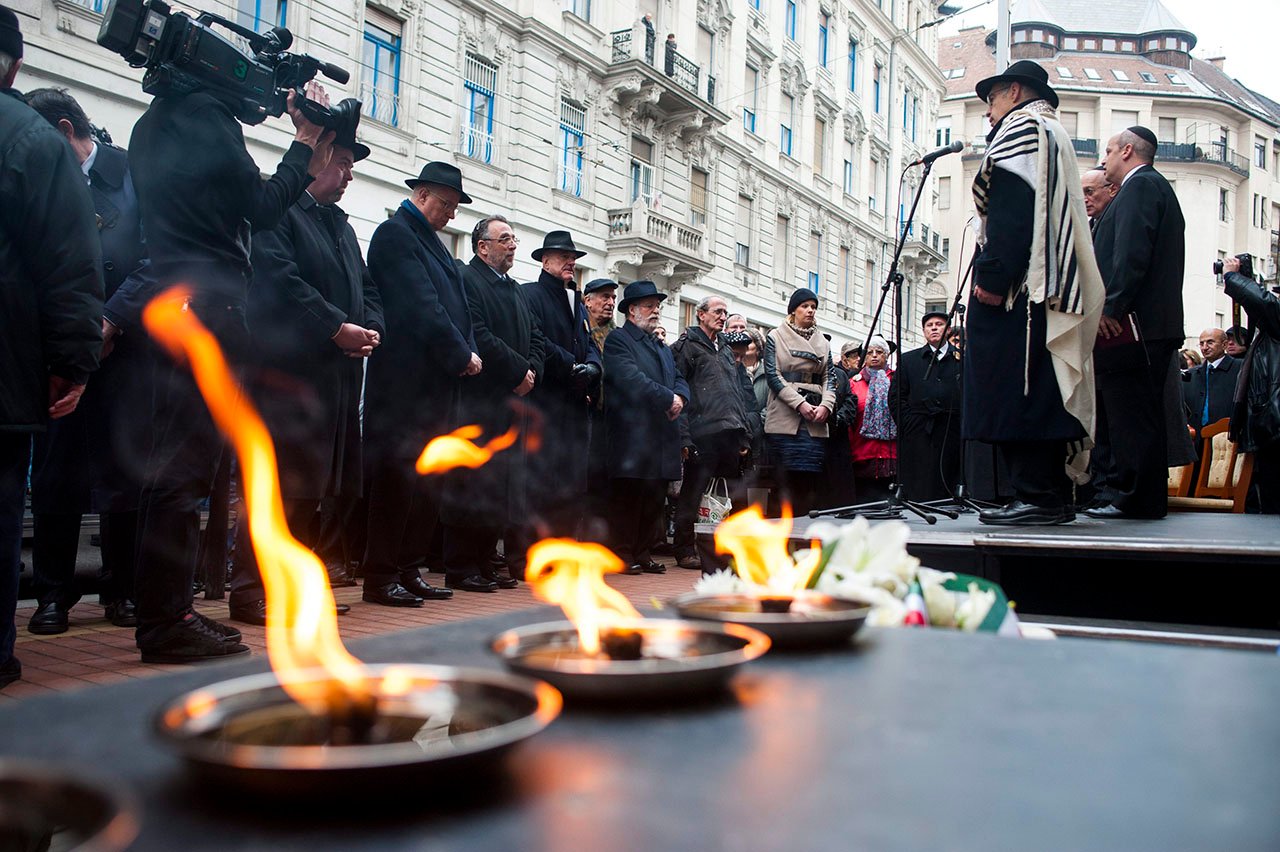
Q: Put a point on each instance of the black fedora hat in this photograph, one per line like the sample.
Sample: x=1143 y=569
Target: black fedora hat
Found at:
x=346 y=135
x=639 y=290
x=557 y=241
x=1023 y=71
x=441 y=174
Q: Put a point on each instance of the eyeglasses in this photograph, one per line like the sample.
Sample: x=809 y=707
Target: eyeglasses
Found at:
x=991 y=98
x=449 y=203
x=505 y=239
x=719 y=312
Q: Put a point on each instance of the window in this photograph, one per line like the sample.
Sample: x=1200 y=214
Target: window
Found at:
x=641 y=170
x=581 y=8
x=1070 y=121
x=1168 y=130
x=1092 y=74
x=1257 y=208
x=791 y=20
x=742 y=256
x=824 y=29
x=946 y=252
x=848 y=167
x=915 y=115
x=1147 y=76
x=853 y=65
x=877 y=170
x=1109 y=45
x=573 y=127
x=256 y=15
x=750 y=94
x=1260 y=152
x=1223 y=199
x=955 y=73
x=944 y=193
x=815 y=263
x=788 y=115
x=1122 y=119
x=1120 y=75
x=845 y=296
x=819 y=146
x=1070 y=43
x=1175 y=79
x=875 y=86
x=755 y=4
x=381 y=88
x=477 y=125
x=782 y=249
x=697 y=198
x=942 y=134
x=1065 y=73
x=871 y=285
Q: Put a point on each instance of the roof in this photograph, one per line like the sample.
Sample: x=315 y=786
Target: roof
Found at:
x=1123 y=17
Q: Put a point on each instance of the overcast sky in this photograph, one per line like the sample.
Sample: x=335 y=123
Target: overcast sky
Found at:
x=1245 y=31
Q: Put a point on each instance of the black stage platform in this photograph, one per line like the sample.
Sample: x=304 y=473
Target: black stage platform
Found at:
x=1194 y=569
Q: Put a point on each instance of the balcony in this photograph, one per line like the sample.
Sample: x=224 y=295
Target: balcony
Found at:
x=1216 y=153
x=643 y=237
x=922 y=253
x=652 y=80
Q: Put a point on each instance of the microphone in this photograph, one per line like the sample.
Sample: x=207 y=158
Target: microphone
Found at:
x=954 y=148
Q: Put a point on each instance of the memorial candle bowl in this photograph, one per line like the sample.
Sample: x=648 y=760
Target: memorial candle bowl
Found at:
x=804 y=619
x=249 y=735
x=47 y=809
x=644 y=659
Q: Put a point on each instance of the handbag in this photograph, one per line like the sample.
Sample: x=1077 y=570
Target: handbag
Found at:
x=715 y=505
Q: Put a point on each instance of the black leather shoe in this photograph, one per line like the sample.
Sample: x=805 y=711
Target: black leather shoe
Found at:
x=342 y=609
x=226 y=631
x=122 y=613
x=390 y=594
x=502 y=580
x=420 y=587
x=188 y=641
x=652 y=567
x=339 y=577
x=10 y=671
x=49 y=620
x=693 y=563
x=1106 y=512
x=633 y=569
x=253 y=612
x=1020 y=514
x=471 y=583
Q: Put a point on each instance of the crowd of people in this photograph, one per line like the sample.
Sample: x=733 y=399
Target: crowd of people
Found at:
x=356 y=361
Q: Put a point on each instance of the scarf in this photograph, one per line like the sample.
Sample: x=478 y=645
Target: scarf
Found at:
x=806 y=333
x=877 y=422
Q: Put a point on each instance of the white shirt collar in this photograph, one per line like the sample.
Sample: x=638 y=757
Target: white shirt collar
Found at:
x=1218 y=363
x=89 y=160
x=1125 y=179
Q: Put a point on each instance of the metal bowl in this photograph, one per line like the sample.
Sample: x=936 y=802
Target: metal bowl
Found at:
x=46 y=809
x=812 y=620
x=249 y=735
x=679 y=659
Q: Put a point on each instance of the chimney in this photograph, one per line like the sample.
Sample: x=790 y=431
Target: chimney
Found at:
x=1217 y=61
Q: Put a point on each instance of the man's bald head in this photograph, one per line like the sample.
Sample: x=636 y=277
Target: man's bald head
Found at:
x=1098 y=191
x=1213 y=343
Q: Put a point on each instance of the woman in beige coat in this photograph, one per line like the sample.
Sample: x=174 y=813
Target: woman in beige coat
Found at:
x=802 y=395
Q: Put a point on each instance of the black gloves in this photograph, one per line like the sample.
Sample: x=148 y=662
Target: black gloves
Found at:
x=585 y=378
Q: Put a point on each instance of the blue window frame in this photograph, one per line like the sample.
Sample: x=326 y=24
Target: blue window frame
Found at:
x=788 y=113
x=257 y=15
x=791 y=19
x=824 y=28
x=573 y=125
x=755 y=4
x=848 y=177
x=750 y=97
x=477 y=125
x=381 y=91
x=853 y=65
x=875 y=87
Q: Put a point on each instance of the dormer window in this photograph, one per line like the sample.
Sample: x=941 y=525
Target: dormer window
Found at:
x=1065 y=73
x=1092 y=74
x=1120 y=75
x=1147 y=76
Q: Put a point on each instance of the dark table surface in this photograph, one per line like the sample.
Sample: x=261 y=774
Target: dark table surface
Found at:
x=908 y=739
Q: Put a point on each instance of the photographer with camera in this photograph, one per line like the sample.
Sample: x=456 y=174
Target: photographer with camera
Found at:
x=201 y=195
x=1255 y=423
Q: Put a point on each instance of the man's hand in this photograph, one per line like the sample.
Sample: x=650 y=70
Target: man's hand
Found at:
x=310 y=134
x=1230 y=264
x=474 y=366
x=677 y=405
x=356 y=341
x=987 y=298
x=110 y=331
x=1108 y=327
x=63 y=396
x=526 y=385
x=821 y=414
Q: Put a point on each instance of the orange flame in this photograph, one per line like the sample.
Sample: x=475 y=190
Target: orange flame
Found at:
x=458 y=449
x=571 y=573
x=759 y=548
x=302 y=624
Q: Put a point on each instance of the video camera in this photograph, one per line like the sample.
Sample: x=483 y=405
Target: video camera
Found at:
x=185 y=55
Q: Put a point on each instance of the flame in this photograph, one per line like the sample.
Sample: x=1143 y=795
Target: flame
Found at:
x=302 y=624
x=458 y=449
x=571 y=573
x=759 y=548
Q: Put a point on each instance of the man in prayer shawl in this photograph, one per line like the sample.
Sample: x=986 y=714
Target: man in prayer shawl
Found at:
x=1037 y=295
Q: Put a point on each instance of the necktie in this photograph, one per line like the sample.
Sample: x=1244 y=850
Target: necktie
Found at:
x=1204 y=417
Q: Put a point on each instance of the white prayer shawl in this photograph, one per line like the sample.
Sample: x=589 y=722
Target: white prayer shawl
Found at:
x=1063 y=273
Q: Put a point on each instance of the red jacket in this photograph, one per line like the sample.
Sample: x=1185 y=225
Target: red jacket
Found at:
x=867 y=448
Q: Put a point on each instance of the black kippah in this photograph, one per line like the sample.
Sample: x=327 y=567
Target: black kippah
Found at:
x=10 y=34
x=1144 y=134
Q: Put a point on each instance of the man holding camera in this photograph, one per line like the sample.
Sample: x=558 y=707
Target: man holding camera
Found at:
x=1255 y=423
x=201 y=196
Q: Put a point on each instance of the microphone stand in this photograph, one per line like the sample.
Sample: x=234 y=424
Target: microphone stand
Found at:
x=893 y=506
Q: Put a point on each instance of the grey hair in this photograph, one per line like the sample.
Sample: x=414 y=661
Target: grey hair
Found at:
x=6 y=62
x=481 y=230
x=1142 y=149
x=705 y=304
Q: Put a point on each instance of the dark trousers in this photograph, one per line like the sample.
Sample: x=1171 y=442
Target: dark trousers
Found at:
x=1266 y=478
x=717 y=456
x=1131 y=425
x=15 y=458
x=246 y=579
x=402 y=519
x=637 y=513
x=341 y=539
x=467 y=550
x=56 y=543
x=183 y=464
x=1037 y=471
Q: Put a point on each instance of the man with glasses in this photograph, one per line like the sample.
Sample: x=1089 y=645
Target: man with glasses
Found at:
x=718 y=423
x=413 y=389
x=1098 y=193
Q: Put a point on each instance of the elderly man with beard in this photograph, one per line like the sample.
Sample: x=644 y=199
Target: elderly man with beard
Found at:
x=644 y=395
x=570 y=380
x=314 y=316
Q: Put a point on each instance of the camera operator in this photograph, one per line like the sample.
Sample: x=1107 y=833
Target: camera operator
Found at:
x=201 y=195
x=1255 y=423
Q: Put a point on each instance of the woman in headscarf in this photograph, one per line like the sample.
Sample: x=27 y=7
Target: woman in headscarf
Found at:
x=802 y=395
x=873 y=435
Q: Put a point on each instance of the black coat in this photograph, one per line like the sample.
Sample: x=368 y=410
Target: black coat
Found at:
x=50 y=267
x=308 y=279
x=718 y=403
x=1011 y=392
x=414 y=377
x=1139 y=243
x=1221 y=389
x=561 y=465
x=1256 y=420
x=640 y=381
x=929 y=388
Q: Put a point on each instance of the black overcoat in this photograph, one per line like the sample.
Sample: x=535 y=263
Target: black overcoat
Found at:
x=414 y=379
x=640 y=381
x=561 y=466
x=928 y=390
x=1221 y=387
x=308 y=279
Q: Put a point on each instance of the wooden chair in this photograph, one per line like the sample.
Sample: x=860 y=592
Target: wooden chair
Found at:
x=1180 y=480
x=1224 y=476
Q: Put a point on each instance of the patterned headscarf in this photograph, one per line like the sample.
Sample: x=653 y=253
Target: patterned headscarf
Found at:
x=877 y=421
